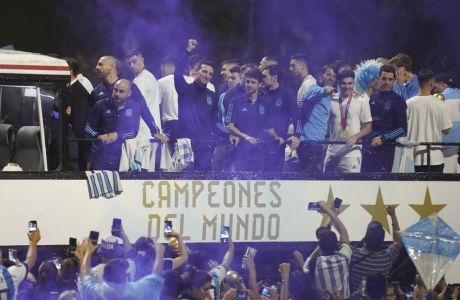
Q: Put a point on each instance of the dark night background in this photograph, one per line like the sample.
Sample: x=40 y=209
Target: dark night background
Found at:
x=246 y=29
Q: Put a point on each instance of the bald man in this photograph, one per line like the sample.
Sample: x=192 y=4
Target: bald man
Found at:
x=112 y=121
x=107 y=72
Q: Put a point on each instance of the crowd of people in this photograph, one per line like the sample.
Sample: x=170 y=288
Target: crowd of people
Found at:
x=346 y=120
x=115 y=268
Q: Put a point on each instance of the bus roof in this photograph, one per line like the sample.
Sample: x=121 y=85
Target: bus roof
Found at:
x=19 y=62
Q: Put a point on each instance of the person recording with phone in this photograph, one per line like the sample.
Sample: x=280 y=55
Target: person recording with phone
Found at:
x=332 y=258
x=16 y=271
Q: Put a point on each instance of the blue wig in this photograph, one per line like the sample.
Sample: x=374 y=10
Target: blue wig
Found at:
x=365 y=73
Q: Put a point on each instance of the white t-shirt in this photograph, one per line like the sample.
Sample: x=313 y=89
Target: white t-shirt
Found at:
x=306 y=83
x=427 y=116
x=168 y=94
x=359 y=113
x=18 y=274
x=149 y=89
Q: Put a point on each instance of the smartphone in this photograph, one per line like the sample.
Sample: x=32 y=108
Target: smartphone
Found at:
x=266 y=292
x=168 y=227
x=12 y=255
x=72 y=244
x=32 y=225
x=337 y=202
x=224 y=234
x=314 y=206
x=241 y=295
x=94 y=237
x=116 y=227
x=57 y=262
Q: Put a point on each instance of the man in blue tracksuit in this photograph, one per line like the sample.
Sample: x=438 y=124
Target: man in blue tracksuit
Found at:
x=112 y=121
x=389 y=121
x=283 y=110
x=249 y=124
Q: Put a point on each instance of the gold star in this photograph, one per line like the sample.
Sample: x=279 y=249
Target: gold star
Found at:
x=428 y=208
x=378 y=211
x=330 y=202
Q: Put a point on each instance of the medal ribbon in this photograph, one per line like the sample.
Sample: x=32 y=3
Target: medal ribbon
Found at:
x=344 y=114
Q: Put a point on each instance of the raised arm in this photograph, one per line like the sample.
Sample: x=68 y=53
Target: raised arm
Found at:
x=31 y=258
x=183 y=257
x=228 y=257
x=336 y=222
x=284 y=269
x=391 y=210
x=159 y=258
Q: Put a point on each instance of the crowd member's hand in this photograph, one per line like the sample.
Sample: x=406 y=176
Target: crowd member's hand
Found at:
x=87 y=247
x=249 y=262
x=294 y=142
x=284 y=270
x=234 y=140
x=230 y=294
x=163 y=138
x=212 y=264
x=158 y=247
x=34 y=236
x=79 y=251
x=68 y=110
x=391 y=210
x=377 y=141
x=192 y=44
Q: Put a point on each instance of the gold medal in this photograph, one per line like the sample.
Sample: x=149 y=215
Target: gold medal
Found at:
x=343 y=134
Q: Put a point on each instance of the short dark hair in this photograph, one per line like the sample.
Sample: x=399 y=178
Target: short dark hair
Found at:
x=424 y=76
x=232 y=61
x=253 y=74
x=345 y=74
x=387 y=69
x=73 y=65
x=338 y=64
x=132 y=52
x=300 y=56
x=235 y=70
x=324 y=69
x=169 y=59
x=207 y=63
x=275 y=70
x=194 y=60
x=402 y=60
x=246 y=67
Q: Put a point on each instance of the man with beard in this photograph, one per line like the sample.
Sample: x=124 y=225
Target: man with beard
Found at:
x=107 y=71
x=112 y=121
x=312 y=124
x=197 y=111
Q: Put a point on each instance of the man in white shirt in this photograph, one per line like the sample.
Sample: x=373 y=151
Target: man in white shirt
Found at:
x=428 y=119
x=350 y=120
x=147 y=85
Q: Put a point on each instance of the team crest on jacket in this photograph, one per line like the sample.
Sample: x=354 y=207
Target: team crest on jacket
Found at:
x=278 y=101
x=129 y=112
x=387 y=105
x=262 y=110
x=209 y=100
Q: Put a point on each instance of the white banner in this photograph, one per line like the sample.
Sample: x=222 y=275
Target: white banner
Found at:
x=256 y=211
